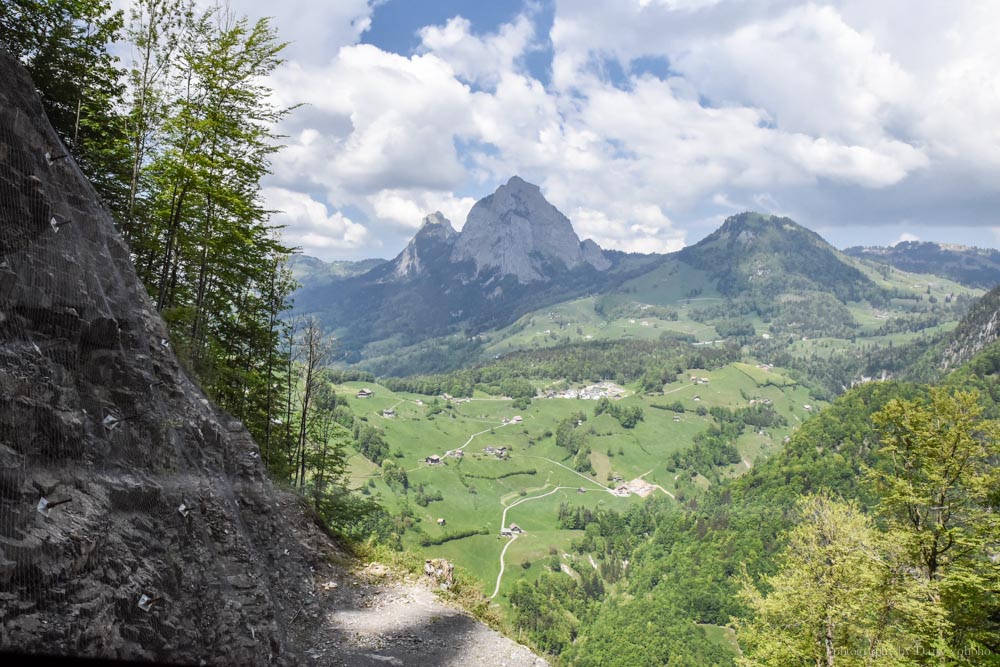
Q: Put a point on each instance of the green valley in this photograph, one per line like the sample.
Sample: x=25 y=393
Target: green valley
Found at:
x=514 y=469
x=618 y=475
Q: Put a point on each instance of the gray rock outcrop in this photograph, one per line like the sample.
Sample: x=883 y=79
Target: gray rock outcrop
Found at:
x=426 y=246
x=978 y=329
x=135 y=520
x=515 y=231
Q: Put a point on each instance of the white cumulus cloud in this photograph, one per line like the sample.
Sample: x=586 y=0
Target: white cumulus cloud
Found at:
x=310 y=225
x=654 y=117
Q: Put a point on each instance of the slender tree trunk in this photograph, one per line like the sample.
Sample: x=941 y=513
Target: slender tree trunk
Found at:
x=828 y=641
x=176 y=206
x=288 y=404
x=76 y=127
x=140 y=129
x=269 y=377
x=303 y=419
x=206 y=241
x=321 y=468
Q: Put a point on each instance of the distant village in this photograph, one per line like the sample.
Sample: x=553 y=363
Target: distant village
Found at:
x=594 y=392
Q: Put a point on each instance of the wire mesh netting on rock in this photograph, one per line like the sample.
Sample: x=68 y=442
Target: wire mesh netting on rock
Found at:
x=135 y=521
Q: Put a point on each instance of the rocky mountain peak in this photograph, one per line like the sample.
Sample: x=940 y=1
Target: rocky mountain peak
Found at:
x=432 y=243
x=436 y=224
x=516 y=231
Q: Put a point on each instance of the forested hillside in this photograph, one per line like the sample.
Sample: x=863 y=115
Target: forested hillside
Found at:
x=976 y=267
x=176 y=139
x=871 y=472
x=757 y=450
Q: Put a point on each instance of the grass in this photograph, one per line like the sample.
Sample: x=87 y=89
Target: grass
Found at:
x=477 y=487
x=721 y=636
x=670 y=286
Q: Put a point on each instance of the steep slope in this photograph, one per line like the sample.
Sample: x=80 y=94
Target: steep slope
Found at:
x=515 y=231
x=979 y=329
x=768 y=255
x=136 y=521
x=150 y=492
x=431 y=245
x=974 y=267
x=515 y=253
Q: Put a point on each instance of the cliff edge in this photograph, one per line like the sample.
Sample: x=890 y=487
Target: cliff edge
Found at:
x=136 y=521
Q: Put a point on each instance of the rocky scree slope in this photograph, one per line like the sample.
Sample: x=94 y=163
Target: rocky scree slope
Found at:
x=136 y=521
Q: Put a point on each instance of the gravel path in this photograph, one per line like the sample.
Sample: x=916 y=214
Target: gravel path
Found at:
x=370 y=619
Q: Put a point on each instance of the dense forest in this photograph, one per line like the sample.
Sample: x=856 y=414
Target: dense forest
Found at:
x=176 y=140
x=871 y=538
x=652 y=363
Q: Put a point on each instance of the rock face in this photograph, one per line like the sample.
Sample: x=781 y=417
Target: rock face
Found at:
x=135 y=520
x=431 y=244
x=516 y=253
x=517 y=232
x=979 y=329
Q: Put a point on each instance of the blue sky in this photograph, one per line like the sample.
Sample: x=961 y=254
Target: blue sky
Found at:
x=647 y=122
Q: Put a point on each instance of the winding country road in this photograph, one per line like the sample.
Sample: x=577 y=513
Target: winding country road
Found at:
x=473 y=436
x=503 y=518
x=503 y=522
x=500 y=576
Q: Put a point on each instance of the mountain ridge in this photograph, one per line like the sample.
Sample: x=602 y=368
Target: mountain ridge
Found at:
x=750 y=250
x=969 y=265
x=515 y=253
x=756 y=272
x=508 y=229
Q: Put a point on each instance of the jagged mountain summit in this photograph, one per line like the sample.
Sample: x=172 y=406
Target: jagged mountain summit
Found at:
x=513 y=232
x=516 y=231
x=516 y=252
x=431 y=244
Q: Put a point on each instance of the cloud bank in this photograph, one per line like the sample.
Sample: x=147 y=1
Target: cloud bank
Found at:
x=648 y=122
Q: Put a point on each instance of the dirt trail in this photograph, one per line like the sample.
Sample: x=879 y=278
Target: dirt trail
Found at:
x=372 y=619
